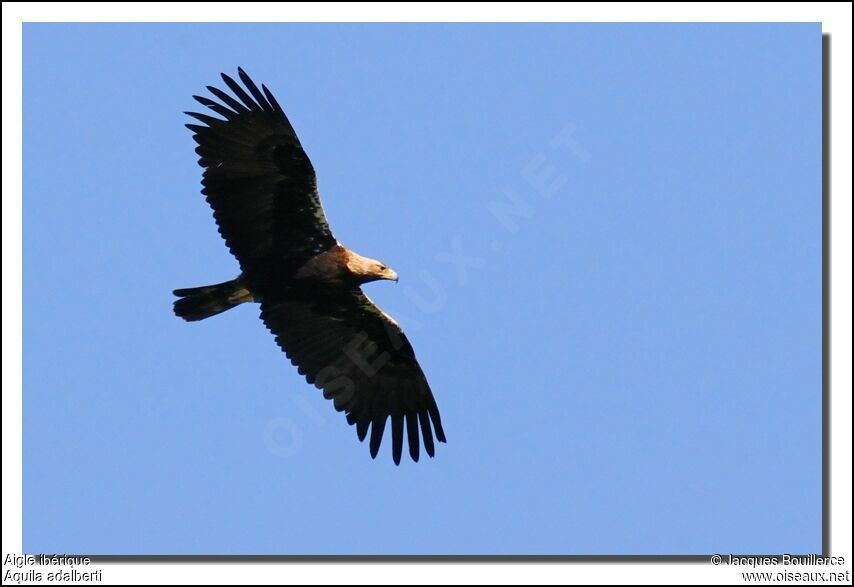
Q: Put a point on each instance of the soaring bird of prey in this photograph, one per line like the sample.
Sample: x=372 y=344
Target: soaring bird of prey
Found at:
x=263 y=191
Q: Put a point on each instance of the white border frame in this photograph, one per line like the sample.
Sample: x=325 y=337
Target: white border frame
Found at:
x=836 y=21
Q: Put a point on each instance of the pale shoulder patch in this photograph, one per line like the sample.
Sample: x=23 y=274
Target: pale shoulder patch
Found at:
x=372 y=306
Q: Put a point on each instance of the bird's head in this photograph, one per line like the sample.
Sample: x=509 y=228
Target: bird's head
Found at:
x=365 y=269
x=386 y=272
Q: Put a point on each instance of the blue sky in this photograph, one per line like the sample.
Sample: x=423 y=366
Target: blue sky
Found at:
x=609 y=243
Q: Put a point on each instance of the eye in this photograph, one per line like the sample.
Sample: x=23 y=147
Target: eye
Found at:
x=383 y=267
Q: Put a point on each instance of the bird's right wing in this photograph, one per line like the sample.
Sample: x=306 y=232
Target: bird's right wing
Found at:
x=346 y=346
x=258 y=180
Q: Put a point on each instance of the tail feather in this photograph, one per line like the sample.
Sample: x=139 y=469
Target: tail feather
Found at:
x=198 y=303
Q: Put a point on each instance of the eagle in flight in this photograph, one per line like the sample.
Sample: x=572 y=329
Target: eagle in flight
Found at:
x=263 y=191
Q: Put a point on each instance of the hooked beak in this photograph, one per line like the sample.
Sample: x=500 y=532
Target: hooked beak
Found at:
x=392 y=275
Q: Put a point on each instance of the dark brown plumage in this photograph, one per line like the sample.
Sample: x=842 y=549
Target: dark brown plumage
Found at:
x=262 y=188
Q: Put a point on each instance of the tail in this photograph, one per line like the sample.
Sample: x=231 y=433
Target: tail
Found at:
x=198 y=303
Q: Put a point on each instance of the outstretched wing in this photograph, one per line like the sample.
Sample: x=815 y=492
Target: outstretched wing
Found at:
x=258 y=180
x=346 y=346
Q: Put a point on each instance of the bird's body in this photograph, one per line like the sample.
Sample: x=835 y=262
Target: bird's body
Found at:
x=262 y=188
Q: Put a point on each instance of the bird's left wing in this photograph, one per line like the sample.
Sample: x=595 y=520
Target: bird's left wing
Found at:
x=258 y=179
x=361 y=359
